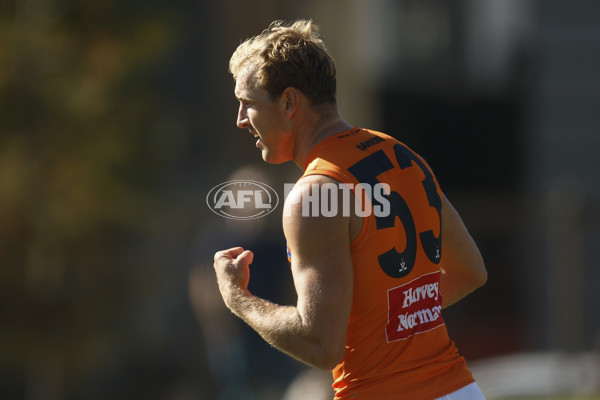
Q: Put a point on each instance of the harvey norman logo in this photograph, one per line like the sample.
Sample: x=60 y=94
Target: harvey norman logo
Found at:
x=414 y=307
x=242 y=199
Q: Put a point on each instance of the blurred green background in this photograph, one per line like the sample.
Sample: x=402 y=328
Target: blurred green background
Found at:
x=118 y=117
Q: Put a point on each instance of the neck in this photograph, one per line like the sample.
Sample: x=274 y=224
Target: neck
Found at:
x=308 y=136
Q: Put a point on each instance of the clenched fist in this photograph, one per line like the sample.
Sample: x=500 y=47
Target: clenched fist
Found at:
x=232 y=267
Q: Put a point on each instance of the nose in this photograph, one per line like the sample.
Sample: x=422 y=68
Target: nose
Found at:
x=242 y=117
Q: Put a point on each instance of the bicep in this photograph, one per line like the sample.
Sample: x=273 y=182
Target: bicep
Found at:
x=322 y=270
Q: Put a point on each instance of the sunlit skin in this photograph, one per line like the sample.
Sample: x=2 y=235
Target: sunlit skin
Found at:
x=270 y=121
x=286 y=127
x=314 y=330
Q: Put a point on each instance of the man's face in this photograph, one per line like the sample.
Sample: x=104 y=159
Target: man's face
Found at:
x=263 y=117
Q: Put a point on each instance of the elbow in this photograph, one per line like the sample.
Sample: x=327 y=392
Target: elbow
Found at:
x=481 y=276
x=475 y=278
x=480 y=281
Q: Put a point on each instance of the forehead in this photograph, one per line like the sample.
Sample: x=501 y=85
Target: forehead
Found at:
x=246 y=81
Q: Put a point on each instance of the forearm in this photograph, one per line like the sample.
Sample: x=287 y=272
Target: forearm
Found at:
x=314 y=330
x=283 y=327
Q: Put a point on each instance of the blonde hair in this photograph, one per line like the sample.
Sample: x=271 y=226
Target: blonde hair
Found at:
x=291 y=55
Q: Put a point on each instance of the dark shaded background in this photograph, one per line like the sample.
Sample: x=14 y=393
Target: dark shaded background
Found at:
x=116 y=119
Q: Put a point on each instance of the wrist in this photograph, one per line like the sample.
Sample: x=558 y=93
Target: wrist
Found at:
x=235 y=297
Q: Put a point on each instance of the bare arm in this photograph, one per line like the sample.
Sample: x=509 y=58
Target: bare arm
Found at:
x=463 y=269
x=313 y=331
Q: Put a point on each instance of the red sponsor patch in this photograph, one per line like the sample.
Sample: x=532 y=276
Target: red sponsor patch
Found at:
x=414 y=307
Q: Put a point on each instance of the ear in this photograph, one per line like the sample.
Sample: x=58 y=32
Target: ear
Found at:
x=290 y=101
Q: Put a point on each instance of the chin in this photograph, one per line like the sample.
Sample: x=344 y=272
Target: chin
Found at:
x=273 y=159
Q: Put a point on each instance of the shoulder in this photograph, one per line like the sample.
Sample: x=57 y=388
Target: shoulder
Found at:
x=308 y=190
x=312 y=205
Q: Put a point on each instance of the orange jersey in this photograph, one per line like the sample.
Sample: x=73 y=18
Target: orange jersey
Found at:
x=397 y=345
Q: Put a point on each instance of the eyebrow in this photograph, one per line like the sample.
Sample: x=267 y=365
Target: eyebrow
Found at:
x=242 y=98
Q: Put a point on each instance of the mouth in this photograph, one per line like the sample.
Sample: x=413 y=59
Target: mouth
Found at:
x=256 y=136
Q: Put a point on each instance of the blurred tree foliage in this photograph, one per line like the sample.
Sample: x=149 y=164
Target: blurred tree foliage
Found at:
x=84 y=139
